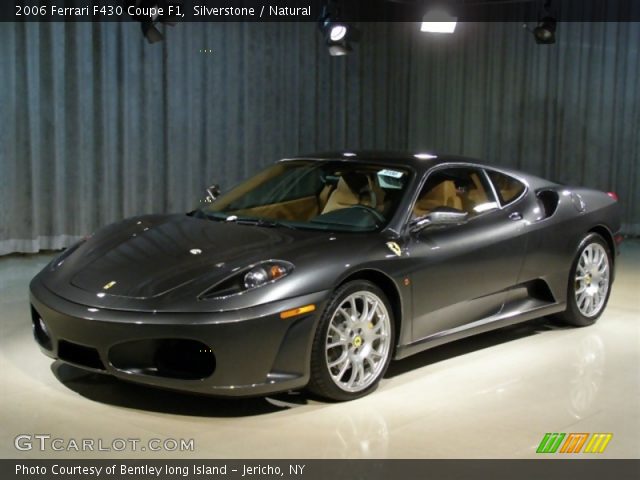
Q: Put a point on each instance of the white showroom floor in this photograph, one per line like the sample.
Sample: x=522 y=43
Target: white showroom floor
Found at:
x=492 y=396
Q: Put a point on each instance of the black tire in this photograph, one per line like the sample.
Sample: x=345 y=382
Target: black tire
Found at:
x=321 y=382
x=573 y=315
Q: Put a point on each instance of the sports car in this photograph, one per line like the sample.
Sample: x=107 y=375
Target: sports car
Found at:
x=321 y=269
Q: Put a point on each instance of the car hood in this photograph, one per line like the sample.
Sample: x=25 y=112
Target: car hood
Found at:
x=149 y=257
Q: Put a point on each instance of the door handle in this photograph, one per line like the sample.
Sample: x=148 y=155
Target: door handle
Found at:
x=515 y=216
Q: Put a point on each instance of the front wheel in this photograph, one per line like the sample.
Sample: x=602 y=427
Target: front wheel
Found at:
x=353 y=342
x=589 y=282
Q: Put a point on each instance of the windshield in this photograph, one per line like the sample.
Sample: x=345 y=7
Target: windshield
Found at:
x=318 y=195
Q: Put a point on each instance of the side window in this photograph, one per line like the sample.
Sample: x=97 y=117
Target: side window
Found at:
x=460 y=189
x=508 y=188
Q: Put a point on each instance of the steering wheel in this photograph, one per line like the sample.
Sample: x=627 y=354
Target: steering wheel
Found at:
x=372 y=211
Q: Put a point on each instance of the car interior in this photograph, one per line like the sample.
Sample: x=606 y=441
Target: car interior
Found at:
x=461 y=189
x=325 y=195
x=353 y=188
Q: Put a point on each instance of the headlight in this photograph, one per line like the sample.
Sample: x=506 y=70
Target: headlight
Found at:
x=253 y=277
x=258 y=276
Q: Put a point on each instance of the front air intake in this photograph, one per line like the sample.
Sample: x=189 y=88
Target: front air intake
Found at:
x=79 y=355
x=176 y=358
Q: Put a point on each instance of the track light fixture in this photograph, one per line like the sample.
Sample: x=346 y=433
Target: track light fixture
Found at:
x=545 y=31
x=338 y=35
x=151 y=13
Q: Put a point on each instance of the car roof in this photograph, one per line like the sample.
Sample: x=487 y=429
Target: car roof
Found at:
x=419 y=160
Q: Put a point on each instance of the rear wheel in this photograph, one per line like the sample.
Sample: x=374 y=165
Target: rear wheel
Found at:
x=589 y=282
x=353 y=343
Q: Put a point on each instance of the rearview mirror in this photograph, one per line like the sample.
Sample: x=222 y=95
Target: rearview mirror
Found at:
x=213 y=192
x=437 y=219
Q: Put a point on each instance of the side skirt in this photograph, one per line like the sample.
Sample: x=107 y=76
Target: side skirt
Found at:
x=517 y=312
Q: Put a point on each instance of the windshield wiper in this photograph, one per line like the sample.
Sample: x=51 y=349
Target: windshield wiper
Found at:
x=275 y=223
x=259 y=222
x=200 y=213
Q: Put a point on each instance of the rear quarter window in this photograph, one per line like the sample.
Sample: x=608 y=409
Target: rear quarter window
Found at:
x=509 y=189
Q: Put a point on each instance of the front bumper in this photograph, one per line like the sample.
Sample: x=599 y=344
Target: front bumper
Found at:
x=249 y=352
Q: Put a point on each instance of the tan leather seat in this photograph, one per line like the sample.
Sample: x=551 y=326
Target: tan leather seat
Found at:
x=475 y=196
x=442 y=195
x=341 y=197
x=349 y=192
x=323 y=197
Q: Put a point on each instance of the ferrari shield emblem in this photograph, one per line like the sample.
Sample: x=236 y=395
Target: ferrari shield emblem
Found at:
x=108 y=285
x=395 y=248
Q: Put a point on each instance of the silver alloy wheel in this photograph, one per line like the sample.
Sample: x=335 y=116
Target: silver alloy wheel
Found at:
x=592 y=280
x=358 y=341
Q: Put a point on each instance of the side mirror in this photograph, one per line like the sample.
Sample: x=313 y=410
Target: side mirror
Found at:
x=437 y=219
x=213 y=192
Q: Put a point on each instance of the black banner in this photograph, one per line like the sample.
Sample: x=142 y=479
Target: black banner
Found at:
x=578 y=469
x=311 y=10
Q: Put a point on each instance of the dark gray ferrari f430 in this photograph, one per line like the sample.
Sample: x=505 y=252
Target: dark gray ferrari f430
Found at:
x=321 y=269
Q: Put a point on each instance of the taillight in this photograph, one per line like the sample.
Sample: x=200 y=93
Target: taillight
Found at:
x=613 y=195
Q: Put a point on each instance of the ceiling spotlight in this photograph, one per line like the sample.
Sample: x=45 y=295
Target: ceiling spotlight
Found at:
x=337 y=32
x=152 y=13
x=338 y=35
x=438 y=20
x=545 y=31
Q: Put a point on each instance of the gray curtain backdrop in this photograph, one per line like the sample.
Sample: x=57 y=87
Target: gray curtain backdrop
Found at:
x=95 y=125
